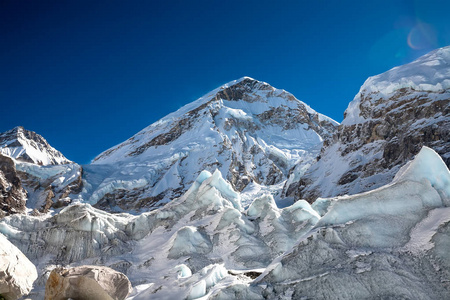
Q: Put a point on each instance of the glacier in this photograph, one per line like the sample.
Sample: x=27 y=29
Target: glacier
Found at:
x=206 y=245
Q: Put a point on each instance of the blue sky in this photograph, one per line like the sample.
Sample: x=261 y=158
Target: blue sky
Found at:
x=89 y=74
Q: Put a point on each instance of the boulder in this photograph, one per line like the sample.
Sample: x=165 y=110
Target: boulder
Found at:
x=87 y=283
x=17 y=273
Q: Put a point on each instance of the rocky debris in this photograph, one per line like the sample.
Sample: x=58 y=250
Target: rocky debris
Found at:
x=87 y=282
x=28 y=146
x=17 y=273
x=385 y=126
x=13 y=195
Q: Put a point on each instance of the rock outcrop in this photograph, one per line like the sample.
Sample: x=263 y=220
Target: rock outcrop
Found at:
x=17 y=273
x=12 y=194
x=390 y=119
x=87 y=282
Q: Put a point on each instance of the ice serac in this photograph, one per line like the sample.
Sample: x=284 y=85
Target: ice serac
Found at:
x=390 y=119
x=249 y=130
x=28 y=146
x=389 y=243
x=17 y=273
x=181 y=250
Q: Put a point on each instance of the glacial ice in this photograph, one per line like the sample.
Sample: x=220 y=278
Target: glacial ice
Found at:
x=198 y=290
x=185 y=249
x=183 y=271
x=387 y=242
x=189 y=241
x=427 y=166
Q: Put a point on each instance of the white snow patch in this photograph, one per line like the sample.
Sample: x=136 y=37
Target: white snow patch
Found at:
x=422 y=234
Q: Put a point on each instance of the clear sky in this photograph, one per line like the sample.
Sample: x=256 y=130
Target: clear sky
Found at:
x=87 y=75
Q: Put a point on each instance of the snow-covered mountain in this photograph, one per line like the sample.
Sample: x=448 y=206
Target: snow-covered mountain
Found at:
x=28 y=146
x=250 y=131
x=390 y=119
x=227 y=156
x=35 y=175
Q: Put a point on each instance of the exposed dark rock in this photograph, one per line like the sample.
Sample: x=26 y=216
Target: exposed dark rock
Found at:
x=130 y=199
x=13 y=195
x=242 y=91
x=50 y=196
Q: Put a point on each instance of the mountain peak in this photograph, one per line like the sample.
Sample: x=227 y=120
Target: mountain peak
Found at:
x=28 y=146
x=242 y=89
x=248 y=130
x=428 y=74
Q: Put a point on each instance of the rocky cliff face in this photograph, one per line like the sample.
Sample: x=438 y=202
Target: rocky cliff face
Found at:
x=390 y=119
x=249 y=130
x=13 y=195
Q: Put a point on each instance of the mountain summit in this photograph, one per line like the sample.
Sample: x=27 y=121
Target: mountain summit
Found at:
x=249 y=130
x=28 y=146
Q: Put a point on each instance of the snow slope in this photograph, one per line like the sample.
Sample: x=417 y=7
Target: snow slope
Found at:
x=247 y=129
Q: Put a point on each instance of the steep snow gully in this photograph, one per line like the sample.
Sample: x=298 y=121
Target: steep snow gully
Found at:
x=207 y=202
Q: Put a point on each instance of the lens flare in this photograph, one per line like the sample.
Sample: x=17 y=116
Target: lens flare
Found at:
x=422 y=36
